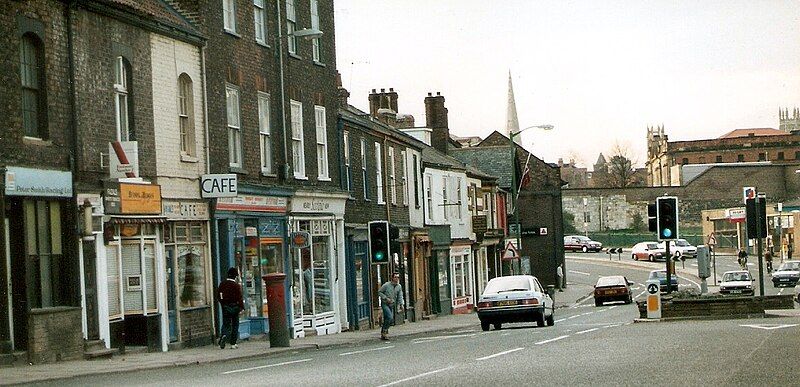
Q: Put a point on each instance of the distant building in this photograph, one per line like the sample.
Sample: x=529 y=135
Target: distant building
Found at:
x=575 y=176
x=666 y=160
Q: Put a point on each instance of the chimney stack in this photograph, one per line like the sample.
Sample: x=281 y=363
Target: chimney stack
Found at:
x=436 y=119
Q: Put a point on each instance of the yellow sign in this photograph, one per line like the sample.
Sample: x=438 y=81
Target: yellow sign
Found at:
x=140 y=198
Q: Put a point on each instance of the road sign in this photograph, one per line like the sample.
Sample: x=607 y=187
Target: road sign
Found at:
x=736 y=215
x=510 y=252
x=653 y=299
x=748 y=193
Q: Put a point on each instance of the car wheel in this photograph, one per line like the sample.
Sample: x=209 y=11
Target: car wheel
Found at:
x=485 y=326
x=598 y=302
x=651 y=258
x=540 y=320
x=498 y=326
x=585 y=249
x=550 y=320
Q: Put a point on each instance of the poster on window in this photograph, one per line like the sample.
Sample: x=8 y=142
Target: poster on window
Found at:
x=191 y=276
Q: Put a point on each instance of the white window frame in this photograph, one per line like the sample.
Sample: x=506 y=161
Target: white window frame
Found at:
x=348 y=172
x=229 y=15
x=379 y=173
x=265 y=133
x=315 y=54
x=428 y=186
x=234 y=126
x=291 y=26
x=459 y=193
x=445 y=198
x=364 y=175
x=260 y=21
x=298 y=143
x=392 y=181
x=186 y=115
x=121 y=106
x=404 y=176
x=320 y=121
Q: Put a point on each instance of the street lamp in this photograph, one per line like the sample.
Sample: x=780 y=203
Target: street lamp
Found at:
x=308 y=34
x=514 y=178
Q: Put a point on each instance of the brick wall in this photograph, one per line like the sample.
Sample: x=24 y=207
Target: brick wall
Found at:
x=54 y=334
x=52 y=153
x=196 y=329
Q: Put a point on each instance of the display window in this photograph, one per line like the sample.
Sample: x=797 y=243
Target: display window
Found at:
x=258 y=251
x=185 y=247
x=312 y=269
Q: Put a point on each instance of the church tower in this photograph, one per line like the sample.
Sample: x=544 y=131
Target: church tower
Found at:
x=789 y=124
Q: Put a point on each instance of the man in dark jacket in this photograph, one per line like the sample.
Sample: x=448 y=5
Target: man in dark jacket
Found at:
x=229 y=294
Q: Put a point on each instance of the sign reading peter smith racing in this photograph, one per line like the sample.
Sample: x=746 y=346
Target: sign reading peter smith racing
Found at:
x=37 y=182
x=132 y=199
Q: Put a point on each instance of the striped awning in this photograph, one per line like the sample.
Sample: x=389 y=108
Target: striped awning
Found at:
x=138 y=220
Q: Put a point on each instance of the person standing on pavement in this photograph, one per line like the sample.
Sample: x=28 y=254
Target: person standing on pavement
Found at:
x=229 y=295
x=391 y=295
x=560 y=277
x=790 y=249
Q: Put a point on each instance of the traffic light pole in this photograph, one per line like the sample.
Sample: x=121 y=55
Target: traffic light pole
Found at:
x=669 y=268
x=760 y=245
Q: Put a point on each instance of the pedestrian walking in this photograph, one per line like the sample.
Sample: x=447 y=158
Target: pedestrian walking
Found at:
x=229 y=295
x=768 y=259
x=560 y=277
x=742 y=258
x=391 y=295
x=790 y=250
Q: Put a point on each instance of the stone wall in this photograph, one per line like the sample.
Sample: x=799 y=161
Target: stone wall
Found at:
x=196 y=327
x=54 y=334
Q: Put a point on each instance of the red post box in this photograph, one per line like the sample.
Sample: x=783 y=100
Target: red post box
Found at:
x=276 y=300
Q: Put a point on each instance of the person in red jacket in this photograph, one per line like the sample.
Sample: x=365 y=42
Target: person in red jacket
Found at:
x=229 y=295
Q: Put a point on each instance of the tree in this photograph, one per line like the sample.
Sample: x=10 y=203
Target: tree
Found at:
x=621 y=173
x=569 y=223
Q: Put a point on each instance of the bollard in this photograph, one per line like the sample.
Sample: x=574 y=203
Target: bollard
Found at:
x=276 y=301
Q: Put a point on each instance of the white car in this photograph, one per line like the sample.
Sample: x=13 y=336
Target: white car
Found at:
x=649 y=251
x=736 y=282
x=680 y=247
x=516 y=298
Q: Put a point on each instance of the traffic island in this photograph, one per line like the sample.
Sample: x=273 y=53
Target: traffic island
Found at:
x=716 y=306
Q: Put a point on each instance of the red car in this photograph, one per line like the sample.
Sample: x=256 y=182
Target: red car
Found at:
x=612 y=288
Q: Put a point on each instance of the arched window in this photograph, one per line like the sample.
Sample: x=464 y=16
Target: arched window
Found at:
x=123 y=99
x=186 y=115
x=34 y=113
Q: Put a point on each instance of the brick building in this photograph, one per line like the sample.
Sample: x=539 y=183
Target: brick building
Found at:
x=272 y=115
x=666 y=159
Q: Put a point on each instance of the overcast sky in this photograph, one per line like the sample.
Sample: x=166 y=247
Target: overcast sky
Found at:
x=600 y=71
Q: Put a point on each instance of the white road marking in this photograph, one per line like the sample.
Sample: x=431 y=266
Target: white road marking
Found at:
x=505 y=334
x=613 y=307
x=366 y=350
x=500 y=354
x=466 y=331
x=417 y=376
x=437 y=338
x=686 y=279
x=571 y=317
x=586 y=314
x=552 y=340
x=577 y=272
x=267 y=366
x=560 y=320
x=586 y=331
x=781 y=291
x=768 y=327
x=612 y=326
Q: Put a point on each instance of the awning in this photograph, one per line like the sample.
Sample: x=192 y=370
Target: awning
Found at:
x=422 y=238
x=138 y=220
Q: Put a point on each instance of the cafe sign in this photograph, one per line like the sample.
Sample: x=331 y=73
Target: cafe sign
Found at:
x=132 y=199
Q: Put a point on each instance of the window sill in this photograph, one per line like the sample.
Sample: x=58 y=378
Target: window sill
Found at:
x=268 y=174
x=189 y=159
x=320 y=178
x=295 y=56
x=298 y=177
x=36 y=141
x=238 y=170
x=381 y=203
x=263 y=44
x=232 y=33
x=320 y=64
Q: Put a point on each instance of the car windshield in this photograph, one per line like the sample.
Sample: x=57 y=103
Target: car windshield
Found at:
x=610 y=281
x=682 y=243
x=658 y=274
x=652 y=245
x=738 y=276
x=584 y=239
x=507 y=284
x=789 y=266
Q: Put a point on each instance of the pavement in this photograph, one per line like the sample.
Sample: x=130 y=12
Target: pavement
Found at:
x=257 y=347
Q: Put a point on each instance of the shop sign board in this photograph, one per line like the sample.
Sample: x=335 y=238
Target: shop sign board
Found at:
x=123 y=160
x=185 y=210
x=38 y=182
x=219 y=185
x=252 y=203
x=133 y=199
x=300 y=239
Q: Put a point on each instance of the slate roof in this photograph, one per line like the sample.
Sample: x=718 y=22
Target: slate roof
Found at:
x=491 y=160
x=156 y=10
x=432 y=156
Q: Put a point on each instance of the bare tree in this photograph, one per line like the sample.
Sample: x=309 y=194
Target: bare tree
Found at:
x=621 y=171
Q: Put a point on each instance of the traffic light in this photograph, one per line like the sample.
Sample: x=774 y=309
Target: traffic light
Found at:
x=667 y=211
x=379 y=241
x=752 y=219
x=652 y=218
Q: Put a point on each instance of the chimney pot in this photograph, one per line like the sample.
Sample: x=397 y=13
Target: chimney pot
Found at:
x=438 y=93
x=383 y=90
x=391 y=89
x=373 y=90
x=430 y=94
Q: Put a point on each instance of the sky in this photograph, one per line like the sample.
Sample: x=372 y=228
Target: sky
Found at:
x=599 y=71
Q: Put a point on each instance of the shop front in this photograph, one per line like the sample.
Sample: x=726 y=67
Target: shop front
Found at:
x=439 y=270
x=318 y=290
x=419 y=283
x=188 y=272
x=39 y=265
x=462 y=278
x=252 y=237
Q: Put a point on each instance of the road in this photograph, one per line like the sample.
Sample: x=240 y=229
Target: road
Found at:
x=587 y=346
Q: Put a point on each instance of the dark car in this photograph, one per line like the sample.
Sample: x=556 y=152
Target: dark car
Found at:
x=787 y=274
x=612 y=288
x=517 y=298
x=661 y=276
x=581 y=243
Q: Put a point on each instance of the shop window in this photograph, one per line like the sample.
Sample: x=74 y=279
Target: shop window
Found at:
x=462 y=285
x=311 y=270
x=131 y=270
x=43 y=248
x=187 y=241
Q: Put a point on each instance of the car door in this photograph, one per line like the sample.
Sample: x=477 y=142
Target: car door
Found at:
x=548 y=302
x=569 y=243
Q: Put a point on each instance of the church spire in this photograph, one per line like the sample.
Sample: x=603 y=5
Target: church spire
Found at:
x=512 y=123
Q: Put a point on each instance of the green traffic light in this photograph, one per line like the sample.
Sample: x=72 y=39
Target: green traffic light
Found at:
x=379 y=256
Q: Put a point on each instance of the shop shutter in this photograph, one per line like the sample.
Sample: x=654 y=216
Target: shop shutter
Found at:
x=150 y=273
x=131 y=266
x=112 y=271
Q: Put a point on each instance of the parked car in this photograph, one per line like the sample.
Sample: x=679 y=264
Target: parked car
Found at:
x=517 y=298
x=647 y=251
x=736 y=282
x=661 y=276
x=680 y=247
x=612 y=288
x=787 y=274
x=581 y=243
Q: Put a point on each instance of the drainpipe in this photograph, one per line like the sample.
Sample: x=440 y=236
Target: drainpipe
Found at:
x=212 y=203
